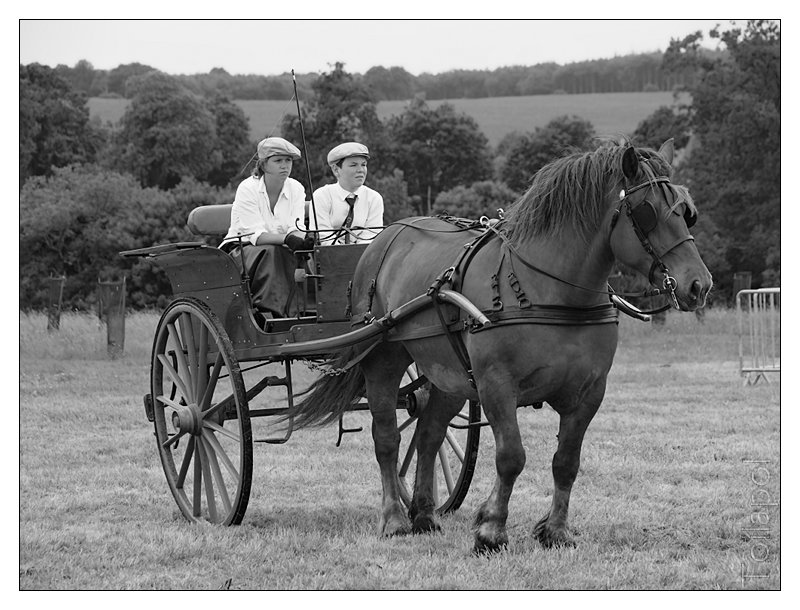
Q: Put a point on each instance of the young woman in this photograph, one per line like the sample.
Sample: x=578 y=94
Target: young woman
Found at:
x=268 y=214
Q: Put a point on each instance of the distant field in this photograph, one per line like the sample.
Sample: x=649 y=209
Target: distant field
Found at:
x=610 y=113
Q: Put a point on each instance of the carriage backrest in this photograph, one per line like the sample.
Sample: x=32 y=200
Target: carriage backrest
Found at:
x=210 y=219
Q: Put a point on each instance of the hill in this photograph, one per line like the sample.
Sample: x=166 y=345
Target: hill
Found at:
x=610 y=113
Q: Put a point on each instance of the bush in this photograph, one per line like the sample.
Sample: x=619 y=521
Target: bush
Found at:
x=76 y=223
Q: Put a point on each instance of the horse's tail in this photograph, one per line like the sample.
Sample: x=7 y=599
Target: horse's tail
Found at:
x=331 y=395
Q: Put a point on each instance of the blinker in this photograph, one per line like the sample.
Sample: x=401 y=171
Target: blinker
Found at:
x=645 y=216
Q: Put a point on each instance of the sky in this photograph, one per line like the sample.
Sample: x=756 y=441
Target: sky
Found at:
x=178 y=46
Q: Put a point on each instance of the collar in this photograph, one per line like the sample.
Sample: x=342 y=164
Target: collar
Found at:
x=262 y=187
x=345 y=193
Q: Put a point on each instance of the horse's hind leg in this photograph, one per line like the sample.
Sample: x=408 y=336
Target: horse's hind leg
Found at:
x=383 y=371
x=552 y=530
x=431 y=430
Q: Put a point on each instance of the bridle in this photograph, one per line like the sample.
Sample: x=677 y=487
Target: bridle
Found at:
x=644 y=219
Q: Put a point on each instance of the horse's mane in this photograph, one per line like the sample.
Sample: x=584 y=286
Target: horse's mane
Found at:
x=573 y=191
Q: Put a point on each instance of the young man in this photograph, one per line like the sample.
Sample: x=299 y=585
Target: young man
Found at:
x=348 y=211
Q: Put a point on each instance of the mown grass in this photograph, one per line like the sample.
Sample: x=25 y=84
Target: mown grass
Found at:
x=663 y=499
x=610 y=113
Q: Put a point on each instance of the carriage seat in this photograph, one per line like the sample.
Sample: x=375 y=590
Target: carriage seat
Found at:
x=212 y=220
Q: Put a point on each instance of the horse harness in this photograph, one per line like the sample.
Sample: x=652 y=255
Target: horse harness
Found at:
x=643 y=219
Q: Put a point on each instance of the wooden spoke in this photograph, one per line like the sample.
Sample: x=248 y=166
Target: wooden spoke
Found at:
x=174 y=377
x=221 y=430
x=187 y=460
x=183 y=367
x=172 y=440
x=217 y=473
x=214 y=442
x=211 y=502
x=451 y=440
x=212 y=384
x=198 y=481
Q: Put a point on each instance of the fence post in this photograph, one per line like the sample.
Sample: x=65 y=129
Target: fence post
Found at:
x=55 y=295
x=112 y=312
x=741 y=281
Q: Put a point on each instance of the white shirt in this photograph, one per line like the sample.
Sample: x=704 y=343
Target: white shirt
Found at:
x=251 y=211
x=332 y=210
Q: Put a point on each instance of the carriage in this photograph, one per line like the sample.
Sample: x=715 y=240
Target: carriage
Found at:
x=208 y=337
x=441 y=320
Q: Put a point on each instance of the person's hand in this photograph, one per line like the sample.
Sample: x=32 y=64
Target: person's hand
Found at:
x=295 y=242
x=308 y=242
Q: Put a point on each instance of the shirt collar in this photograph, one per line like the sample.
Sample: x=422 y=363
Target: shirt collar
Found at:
x=345 y=193
x=262 y=186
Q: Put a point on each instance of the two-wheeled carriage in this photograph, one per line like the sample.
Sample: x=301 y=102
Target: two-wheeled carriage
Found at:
x=208 y=352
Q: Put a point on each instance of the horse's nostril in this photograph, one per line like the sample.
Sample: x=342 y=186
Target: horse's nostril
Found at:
x=696 y=290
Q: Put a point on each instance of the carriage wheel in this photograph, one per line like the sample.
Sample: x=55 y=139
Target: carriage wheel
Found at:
x=202 y=423
x=455 y=460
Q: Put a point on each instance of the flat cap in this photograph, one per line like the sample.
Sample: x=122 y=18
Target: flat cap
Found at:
x=348 y=149
x=270 y=147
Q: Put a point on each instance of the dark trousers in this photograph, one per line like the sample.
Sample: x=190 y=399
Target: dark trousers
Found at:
x=271 y=271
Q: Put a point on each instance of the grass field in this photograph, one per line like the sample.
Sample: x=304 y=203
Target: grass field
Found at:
x=610 y=113
x=674 y=466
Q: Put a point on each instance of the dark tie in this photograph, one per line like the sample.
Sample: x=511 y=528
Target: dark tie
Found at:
x=351 y=201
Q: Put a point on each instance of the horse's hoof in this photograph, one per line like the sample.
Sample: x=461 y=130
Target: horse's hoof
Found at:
x=395 y=526
x=485 y=548
x=424 y=524
x=549 y=538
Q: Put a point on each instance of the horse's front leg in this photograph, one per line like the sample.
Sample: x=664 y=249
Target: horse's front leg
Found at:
x=490 y=521
x=382 y=377
x=552 y=530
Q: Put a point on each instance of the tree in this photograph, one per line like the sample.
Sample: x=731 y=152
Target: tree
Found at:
x=342 y=109
x=392 y=84
x=734 y=171
x=437 y=149
x=166 y=133
x=663 y=124
x=117 y=81
x=527 y=153
x=480 y=199
x=233 y=140
x=396 y=202
x=54 y=126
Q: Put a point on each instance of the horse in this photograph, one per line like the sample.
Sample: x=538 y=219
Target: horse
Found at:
x=540 y=276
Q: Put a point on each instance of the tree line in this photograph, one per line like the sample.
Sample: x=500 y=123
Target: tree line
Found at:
x=88 y=191
x=634 y=72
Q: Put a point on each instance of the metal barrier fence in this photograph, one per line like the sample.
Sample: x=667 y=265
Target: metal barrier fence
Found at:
x=759 y=316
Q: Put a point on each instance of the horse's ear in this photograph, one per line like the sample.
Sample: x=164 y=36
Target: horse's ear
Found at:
x=667 y=150
x=630 y=163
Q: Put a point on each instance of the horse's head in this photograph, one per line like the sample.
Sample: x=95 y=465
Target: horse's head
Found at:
x=650 y=227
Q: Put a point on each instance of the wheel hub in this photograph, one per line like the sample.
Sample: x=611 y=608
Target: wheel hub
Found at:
x=188 y=419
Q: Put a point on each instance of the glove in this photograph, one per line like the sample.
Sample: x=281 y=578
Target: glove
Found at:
x=308 y=243
x=294 y=242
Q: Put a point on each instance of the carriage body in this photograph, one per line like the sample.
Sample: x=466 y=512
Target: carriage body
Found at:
x=208 y=341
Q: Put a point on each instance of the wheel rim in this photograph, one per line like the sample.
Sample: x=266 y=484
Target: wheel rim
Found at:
x=202 y=423
x=455 y=459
